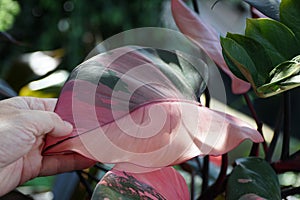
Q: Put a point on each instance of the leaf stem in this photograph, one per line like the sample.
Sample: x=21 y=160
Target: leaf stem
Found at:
x=286 y=126
x=255 y=146
x=11 y=38
x=193 y=184
x=207 y=98
x=205 y=167
x=196 y=7
x=290 y=164
x=219 y=186
x=205 y=172
x=277 y=129
x=222 y=175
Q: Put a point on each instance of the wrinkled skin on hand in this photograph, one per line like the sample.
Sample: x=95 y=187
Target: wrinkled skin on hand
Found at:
x=24 y=123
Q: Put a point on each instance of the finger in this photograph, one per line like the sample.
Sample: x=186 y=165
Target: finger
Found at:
x=31 y=103
x=47 y=104
x=64 y=163
x=45 y=122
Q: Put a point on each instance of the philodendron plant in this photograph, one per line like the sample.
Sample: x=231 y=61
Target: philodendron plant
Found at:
x=131 y=108
x=267 y=55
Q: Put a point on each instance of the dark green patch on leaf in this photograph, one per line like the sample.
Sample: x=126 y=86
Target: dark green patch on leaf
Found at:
x=111 y=80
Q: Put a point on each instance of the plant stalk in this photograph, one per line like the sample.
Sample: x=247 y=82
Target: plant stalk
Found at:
x=286 y=126
x=196 y=7
x=277 y=129
x=259 y=124
x=219 y=186
x=205 y=172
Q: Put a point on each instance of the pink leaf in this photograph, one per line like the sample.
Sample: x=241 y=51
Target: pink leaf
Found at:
x=165 y=183
x=145 y=121
x=257 y=13
x=206 y=38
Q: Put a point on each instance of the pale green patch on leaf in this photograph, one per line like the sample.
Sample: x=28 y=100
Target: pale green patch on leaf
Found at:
x=282 y=78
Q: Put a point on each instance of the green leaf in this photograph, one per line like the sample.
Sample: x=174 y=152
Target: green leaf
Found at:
x=295 y=80
x=239 y=59
x=284 y=76
x=257 y=54
x=263 y=56
x=285 y=70
x=233 y=68
x=269 y=8
x=248 y=56
x=278 y=40
x=290 y=15
x=253 y=176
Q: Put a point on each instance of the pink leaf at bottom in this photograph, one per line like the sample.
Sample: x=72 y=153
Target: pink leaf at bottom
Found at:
x=165 y=183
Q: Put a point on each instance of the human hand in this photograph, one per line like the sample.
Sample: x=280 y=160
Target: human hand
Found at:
x=24 y=123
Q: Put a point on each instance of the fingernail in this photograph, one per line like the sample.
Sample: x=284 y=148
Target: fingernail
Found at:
x=68 y=124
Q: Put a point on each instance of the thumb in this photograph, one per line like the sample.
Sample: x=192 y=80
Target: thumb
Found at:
x=47 y=122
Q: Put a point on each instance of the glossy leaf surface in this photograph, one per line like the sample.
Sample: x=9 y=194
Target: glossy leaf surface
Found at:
x=277 y=39
x=240 y=61
x=253 y=178
x=262 y=64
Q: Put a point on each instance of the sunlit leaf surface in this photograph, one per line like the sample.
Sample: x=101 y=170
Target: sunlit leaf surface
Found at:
x=136 y=110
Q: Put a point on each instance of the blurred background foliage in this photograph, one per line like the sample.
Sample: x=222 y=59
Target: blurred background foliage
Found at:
x=63 y=30
x=9 y=9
